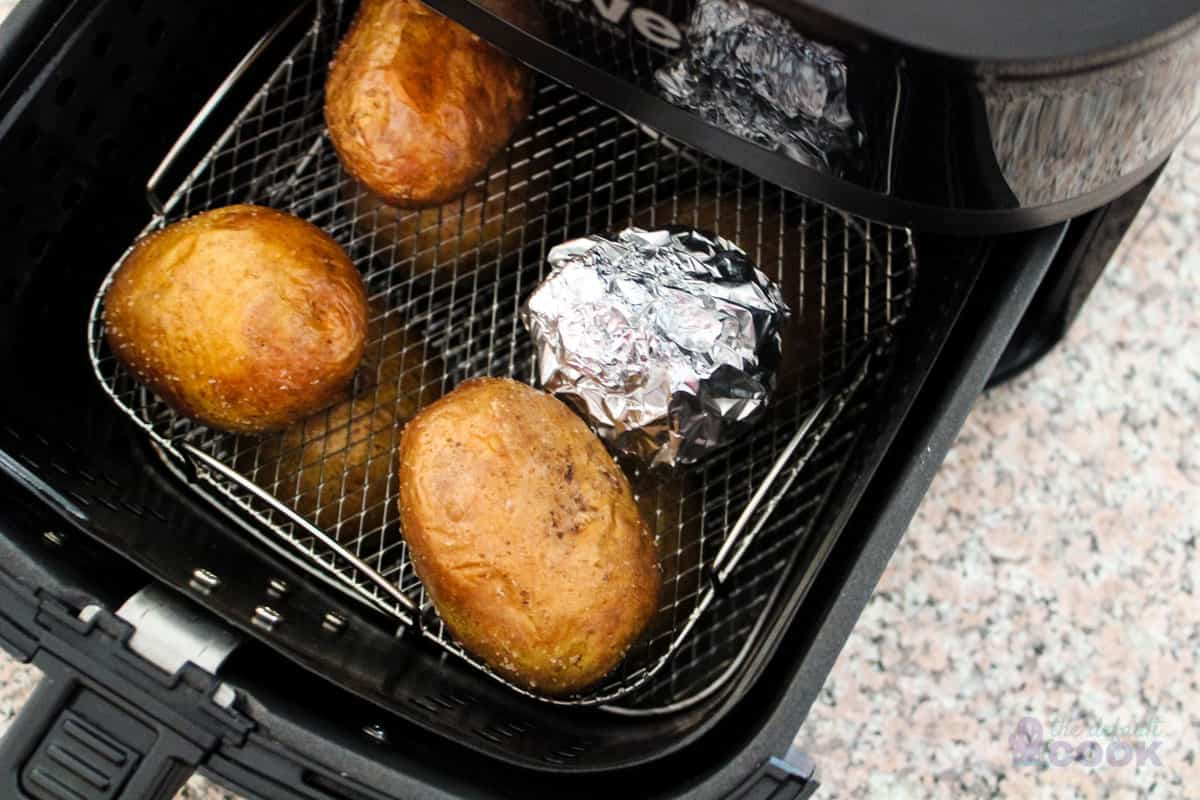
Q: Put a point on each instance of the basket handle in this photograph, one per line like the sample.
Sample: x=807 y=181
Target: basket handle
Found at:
x=153 y=196
x=122 y=711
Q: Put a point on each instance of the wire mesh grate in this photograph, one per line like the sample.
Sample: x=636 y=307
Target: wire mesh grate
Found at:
x=445 y=288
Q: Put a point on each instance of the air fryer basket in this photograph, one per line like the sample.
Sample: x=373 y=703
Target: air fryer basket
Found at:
x=577 y=168
x=88 y=118
x=112 y=90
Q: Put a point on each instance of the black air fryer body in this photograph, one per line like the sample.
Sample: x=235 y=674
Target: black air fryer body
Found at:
x=1015 y=142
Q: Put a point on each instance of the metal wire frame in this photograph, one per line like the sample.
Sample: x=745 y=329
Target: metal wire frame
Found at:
x=446 y=288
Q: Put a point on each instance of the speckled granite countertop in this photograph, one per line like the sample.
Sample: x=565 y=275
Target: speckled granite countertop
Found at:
x=1051 y=571
x=1050 y=574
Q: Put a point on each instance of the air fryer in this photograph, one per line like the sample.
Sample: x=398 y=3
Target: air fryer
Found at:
x=186 y=621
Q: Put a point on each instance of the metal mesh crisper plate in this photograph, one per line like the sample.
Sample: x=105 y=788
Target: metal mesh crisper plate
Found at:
x=445 y=293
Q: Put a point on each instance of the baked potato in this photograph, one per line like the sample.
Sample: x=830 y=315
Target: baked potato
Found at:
x=526 y=535
x=244 y=318
x=417 y=105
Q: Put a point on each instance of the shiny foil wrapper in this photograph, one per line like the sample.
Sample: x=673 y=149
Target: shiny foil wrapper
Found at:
x=749 y=71
x=666 y=340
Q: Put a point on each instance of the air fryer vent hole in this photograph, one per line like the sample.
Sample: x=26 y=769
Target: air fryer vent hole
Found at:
x=569 y=752
x=504 y=730
x=424 y=704
x=457 y=700
x=441 y=701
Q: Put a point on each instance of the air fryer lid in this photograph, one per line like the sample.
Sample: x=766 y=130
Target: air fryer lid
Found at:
x=966 y=118
x=1015 y=30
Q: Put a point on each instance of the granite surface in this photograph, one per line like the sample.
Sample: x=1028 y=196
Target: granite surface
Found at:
x=1050 y=574
x=1051 y=571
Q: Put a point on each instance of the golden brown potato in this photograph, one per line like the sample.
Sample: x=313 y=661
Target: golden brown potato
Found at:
x=334 y=466
x=526 y=535
x=417 y=105
x=487 y=222
x=245 y=318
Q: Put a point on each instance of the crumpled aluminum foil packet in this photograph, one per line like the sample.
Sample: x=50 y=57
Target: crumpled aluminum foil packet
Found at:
x=666 y=340
x=748 y=71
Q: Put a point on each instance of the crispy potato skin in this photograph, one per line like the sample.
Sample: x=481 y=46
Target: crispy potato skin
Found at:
x=333 y=466
x=245 y=318
x=417 y=105
x=526 y=535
